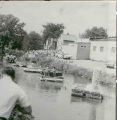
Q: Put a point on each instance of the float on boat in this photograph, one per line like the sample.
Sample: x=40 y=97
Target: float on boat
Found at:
x=52 y=76
x=79 y=91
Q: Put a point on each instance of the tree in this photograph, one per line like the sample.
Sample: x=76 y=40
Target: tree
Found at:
x=52 y=31
x=95 y=32
x=35 y=41
x=11 y=32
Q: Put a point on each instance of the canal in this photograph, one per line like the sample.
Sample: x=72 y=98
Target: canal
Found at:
x=53 y=101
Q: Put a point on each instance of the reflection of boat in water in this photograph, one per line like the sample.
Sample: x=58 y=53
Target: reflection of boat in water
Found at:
x=52 y=79
x=50 y=86
x=87 y=100
x=82 y=92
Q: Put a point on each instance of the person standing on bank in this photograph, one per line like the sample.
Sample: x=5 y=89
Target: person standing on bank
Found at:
x=10 y=93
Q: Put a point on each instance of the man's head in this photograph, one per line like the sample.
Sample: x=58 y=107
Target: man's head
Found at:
x=9 y=71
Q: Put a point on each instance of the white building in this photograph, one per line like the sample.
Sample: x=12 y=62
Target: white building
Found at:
x=103 y=49
x=75 y=47
x=66 y=45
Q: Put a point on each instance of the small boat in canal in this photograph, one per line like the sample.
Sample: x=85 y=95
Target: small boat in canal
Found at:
x=52 y=76
x=33 y=70
x=82 y=92
x=19 y=64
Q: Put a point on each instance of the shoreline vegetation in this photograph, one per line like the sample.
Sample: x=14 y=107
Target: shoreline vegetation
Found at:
x=48 y=59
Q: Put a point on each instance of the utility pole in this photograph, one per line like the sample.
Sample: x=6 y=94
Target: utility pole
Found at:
x=1 y=43
x=1 y=52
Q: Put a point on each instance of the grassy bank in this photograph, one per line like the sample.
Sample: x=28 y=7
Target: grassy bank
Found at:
x=46 y=60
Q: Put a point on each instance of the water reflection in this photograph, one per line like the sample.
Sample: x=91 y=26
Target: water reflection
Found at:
x=53 y=101
x=50 y=86
x=90 y=101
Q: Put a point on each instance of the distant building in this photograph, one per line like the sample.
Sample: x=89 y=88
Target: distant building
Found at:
x=67 y=45
x=74 y=47
x=103 y=49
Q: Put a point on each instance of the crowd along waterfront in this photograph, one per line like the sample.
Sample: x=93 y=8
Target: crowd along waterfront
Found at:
x=53 y=101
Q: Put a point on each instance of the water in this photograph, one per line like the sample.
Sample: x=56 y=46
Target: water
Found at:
x=53 y=101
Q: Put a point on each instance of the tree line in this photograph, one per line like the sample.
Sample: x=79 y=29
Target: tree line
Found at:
x=95 y=33
x=13 y=35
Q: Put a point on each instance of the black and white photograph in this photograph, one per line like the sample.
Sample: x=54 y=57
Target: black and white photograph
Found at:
x=58 y=60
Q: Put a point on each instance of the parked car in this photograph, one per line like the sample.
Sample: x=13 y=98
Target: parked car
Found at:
x=111 y=64
x=66 y=56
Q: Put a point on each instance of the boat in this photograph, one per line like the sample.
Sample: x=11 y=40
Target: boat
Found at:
x=33 y=70
x=19 y=64
x=81 y=92
x=51 y=72
x=52 y=76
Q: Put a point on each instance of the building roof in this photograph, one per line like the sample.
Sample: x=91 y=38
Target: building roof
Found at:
x=69 y=37
x=85 y=40
x=104 y=39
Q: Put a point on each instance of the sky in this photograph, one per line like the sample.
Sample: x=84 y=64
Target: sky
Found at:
x=76 y=16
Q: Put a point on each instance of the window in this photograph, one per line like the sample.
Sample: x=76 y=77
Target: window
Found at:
x=101 y=49
x=94 y=48
x=113 y=49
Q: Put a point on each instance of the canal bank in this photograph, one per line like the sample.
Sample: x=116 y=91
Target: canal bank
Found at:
x=81 y=68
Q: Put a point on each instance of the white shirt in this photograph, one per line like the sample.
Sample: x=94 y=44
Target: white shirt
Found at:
x=10 y=92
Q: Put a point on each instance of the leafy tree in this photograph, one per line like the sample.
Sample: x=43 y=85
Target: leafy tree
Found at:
x=52 y=31
x=35 y=41
x=11 y=32
x=95 y=32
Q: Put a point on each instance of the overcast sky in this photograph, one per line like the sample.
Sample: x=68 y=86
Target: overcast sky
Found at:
x=76 y=16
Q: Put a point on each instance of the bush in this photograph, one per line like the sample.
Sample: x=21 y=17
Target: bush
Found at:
x=106 y=78
x=17 y=53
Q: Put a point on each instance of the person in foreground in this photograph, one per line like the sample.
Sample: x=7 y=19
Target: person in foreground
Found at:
x=14 y=103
